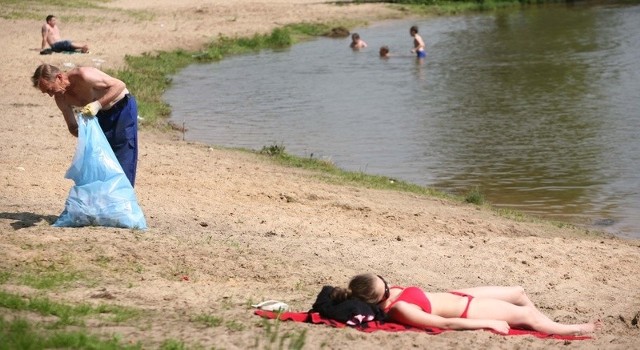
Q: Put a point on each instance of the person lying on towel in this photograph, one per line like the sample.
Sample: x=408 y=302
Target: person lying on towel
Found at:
x=496 y=308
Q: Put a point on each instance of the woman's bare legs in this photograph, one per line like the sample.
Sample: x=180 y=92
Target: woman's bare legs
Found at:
x=529 y=316
x=512 y=294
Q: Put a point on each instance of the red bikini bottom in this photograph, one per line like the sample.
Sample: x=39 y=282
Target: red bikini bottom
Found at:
x=469 y=297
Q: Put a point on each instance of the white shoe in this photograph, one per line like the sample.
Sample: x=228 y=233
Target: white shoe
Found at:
x=272 y=305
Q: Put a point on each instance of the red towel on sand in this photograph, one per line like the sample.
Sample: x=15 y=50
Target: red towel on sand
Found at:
x=314 y=317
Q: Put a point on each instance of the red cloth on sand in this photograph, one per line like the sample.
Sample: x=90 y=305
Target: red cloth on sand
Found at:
x=314 y=317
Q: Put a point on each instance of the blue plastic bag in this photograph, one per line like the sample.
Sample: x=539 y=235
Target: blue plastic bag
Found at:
x=102 y=195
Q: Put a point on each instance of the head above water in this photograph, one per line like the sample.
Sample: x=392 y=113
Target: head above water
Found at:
x=355 y=36
x=413 y=30
x=384 y=51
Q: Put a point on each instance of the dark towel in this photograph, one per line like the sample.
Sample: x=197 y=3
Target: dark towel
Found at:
x=350 y=311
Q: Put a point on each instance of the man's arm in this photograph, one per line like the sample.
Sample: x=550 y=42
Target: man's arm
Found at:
x=69 y=116
x=45 y=32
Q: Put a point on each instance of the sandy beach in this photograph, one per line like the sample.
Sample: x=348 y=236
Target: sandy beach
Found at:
x=230 y=228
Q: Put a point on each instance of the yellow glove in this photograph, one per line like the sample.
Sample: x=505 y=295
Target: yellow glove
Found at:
x=91 y=109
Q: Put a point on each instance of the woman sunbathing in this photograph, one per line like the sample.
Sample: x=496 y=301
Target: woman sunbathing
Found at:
x=496 y=308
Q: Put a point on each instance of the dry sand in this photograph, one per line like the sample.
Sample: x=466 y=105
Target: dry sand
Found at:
x=245 y=230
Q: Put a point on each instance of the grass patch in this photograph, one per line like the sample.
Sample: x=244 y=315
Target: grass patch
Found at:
x=67 y=314
x=337 y=175
x=21 y=334
x=235 y=326
x=474 y=196
x=39 y=9
x=208 y=320
x=172 y=344
x=276 y=340
x=58 y=3
x=4 y=276
x=513 y=214
x=32 y=9
x=450 y=7
x=49 y=280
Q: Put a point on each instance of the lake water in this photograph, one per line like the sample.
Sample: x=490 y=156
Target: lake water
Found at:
x=537 y=108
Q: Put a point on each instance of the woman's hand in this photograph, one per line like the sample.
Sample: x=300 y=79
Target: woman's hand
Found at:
x=501 y=327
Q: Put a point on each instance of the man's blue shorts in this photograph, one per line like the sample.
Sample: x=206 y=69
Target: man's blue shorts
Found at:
x=120 y=125
x=61 y=46
x=421 y=54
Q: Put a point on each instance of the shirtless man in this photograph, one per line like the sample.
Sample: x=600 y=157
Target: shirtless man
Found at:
x=418 y=43
x=102 y=96
x=51 y=37
x=356 y=42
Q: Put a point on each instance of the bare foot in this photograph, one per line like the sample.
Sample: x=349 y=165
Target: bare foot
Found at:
x=591 y=327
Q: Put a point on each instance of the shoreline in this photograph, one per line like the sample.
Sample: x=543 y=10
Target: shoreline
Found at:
x=242 y=229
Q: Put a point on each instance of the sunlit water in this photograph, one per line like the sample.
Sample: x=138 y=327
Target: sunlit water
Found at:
x=539 y=109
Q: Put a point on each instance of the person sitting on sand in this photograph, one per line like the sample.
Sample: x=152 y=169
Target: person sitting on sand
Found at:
x=496 y=308
x=356 y=42
x=51 y=37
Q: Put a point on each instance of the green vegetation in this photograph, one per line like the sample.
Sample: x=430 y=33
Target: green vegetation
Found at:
x=4 y=276
x=234 y=326
x=49 y=279
x=172 y=344
x=334 y=174
x=474 y=196
x=295 y=340
x=66 y=314
x=208 y=320
x=450 y=7
x=57 y=3
x=21 y=334
x=32 y=9
x=49 y=275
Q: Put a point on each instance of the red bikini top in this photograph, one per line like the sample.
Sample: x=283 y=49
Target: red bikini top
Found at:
x=412 y=295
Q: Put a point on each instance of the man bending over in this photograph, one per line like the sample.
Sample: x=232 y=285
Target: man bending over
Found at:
x=99 y=95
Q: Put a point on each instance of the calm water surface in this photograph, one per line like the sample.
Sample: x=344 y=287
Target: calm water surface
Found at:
x=540 y=109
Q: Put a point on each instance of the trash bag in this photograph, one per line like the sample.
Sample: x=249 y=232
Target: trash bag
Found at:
x=102 y=194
